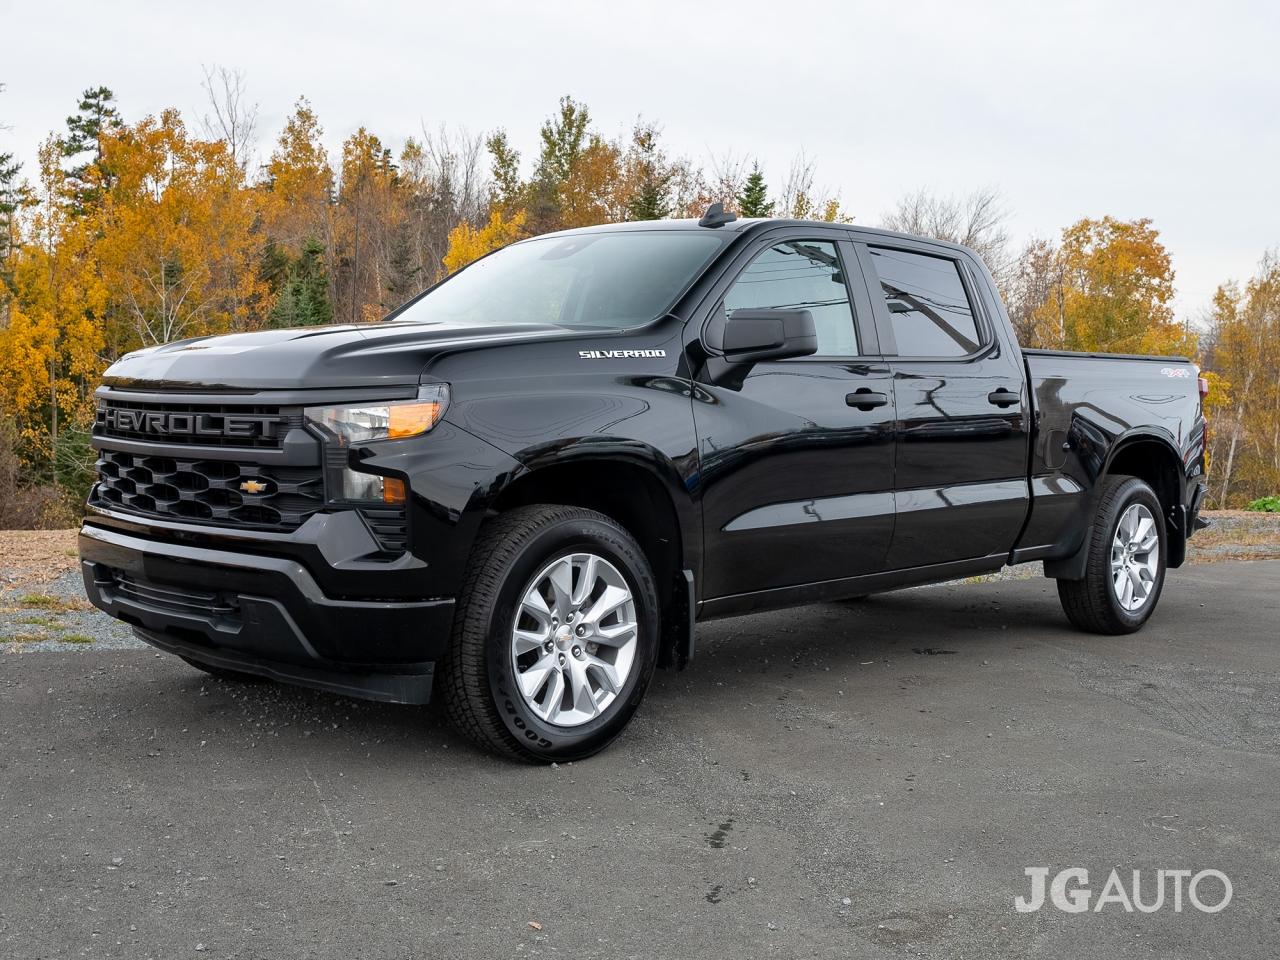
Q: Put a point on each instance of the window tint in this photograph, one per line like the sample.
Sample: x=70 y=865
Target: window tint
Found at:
x=928 y=309
x=801 y=275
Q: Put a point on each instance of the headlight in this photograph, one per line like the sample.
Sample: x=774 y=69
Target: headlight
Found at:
x=345 y=426
x=393 y=420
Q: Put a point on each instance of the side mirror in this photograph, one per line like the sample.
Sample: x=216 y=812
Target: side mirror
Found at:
x=754 y=335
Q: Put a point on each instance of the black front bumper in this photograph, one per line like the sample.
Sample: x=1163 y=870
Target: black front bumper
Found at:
x=265 y=615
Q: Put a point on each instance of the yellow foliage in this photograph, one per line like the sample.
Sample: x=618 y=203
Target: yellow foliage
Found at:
x=467 y=244
x=179 y=251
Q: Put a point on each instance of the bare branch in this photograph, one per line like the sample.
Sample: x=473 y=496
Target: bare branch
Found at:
x=234 y=120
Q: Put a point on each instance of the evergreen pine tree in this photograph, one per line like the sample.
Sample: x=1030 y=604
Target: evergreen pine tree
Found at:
x=753 y=200
x=97 y=115
x=651 y=199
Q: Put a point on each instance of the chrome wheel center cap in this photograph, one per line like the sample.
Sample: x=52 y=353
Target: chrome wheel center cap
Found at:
x=564 y=638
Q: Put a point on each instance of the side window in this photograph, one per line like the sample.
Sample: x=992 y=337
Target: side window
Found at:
x=929 y=311
x=801 y=275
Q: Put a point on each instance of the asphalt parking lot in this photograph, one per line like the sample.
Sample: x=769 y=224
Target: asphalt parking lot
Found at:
x=854 y=780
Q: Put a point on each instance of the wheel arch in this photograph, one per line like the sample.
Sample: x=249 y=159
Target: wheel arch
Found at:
x=1151 y=456
x=642 y=492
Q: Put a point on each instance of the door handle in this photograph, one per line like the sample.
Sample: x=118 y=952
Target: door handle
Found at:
x=1003 y=397
x=866 y=399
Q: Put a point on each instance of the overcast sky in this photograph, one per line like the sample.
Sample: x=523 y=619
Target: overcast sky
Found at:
x=1164 y=110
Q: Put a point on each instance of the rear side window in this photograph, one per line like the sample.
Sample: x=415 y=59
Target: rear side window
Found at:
x=929 y=311
x=801 y=275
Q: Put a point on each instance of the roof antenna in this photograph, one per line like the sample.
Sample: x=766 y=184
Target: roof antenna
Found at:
x=716 y=217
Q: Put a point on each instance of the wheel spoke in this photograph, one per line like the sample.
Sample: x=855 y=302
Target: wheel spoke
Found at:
x=536 y=606
x=525 y=640
x=580 y=689
x=1139 y=587
x=535 y=678
x=561 y=579
x=586 y=580
x=605 y=673
x=612 y=598
x=616 y=634
x=551 y=704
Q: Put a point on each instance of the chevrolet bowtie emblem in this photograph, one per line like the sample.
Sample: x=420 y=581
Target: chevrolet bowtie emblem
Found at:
x=253 y=486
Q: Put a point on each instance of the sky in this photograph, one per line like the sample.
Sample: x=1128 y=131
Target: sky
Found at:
x=1163 y=110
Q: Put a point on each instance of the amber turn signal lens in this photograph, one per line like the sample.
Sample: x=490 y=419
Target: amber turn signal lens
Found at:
x=411 y=419
x=392 y=490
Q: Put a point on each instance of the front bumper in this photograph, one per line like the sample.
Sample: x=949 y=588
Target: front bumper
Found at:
x=264 y=614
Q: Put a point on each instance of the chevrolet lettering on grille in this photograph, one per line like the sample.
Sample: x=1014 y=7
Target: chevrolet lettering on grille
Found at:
x=161 y=423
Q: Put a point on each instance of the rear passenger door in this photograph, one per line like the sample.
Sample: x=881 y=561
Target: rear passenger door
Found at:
x=962 y=425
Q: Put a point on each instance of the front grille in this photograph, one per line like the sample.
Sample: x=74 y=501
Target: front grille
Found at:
x=190 y=424
x=150 y=464
x=218 y=491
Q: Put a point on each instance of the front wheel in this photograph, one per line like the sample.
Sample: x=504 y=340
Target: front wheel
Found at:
x=1125 y=566
x=555 y=635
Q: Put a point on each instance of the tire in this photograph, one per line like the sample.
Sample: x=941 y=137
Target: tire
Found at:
x=232 y=676
x=1095 y=603
x=483 y=674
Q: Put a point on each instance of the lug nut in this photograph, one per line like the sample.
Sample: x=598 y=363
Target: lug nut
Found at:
x=568 y=618
x=561 y=659
x=548 y=646
x=577 y=651
x=582 y=631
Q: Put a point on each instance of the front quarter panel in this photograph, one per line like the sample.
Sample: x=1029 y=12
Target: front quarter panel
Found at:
x=602 y=396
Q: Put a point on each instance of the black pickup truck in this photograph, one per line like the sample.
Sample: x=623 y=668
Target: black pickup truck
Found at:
x=528 y=483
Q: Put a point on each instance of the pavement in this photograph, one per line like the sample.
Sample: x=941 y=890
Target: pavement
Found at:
x=846 y=780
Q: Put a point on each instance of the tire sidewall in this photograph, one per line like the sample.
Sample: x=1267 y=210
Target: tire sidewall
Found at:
x=1134 y=491
x=531 y=732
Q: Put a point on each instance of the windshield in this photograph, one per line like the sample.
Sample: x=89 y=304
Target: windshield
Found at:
x=621 y=279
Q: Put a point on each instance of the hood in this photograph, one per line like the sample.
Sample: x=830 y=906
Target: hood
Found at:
x=352 y=355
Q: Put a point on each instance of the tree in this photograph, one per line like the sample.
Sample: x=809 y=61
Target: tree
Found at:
x=753 y=200
x=648 y=176
x=467 y=244
x=508 y=190
x=1244 y=326
x=367 y=216
x=179 y=250
x=1035 y=278
x=1115 y=290
x=976 y=221
x=12 y=196
x=233 y=120
x=97 y=117
x=563 y=140
x=303 y=294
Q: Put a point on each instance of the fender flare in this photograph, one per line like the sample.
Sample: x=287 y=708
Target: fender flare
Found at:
x=1072 y=566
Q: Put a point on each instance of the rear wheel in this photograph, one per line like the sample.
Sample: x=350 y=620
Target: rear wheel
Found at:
x=555 y=635
x=1125 y=565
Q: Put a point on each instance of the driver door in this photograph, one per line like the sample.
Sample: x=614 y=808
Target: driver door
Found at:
x=797 y=455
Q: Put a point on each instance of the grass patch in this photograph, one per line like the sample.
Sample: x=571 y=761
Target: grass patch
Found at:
x=52 y=622
x=25 y=638
x=74 y=638
x=47 y=601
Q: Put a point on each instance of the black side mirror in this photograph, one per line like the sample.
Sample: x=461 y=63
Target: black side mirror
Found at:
x=754 y=335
